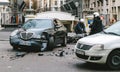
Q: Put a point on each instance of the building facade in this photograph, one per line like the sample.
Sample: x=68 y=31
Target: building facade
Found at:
x=74 y=7
x=110 y=9
x=51 y=5
x=45 y=5
x=4 y=9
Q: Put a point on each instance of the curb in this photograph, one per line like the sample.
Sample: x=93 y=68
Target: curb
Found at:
x=1 y=28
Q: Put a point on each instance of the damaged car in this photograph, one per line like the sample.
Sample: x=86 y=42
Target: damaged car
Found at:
x=40 y=34
x=102 y=48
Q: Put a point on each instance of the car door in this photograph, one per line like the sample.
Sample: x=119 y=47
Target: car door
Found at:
x=60 y=31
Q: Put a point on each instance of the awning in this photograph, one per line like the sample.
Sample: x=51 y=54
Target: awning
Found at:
x=4 y=2
x=56 y=14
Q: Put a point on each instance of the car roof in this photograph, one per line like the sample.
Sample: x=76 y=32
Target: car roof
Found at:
x=43 y=18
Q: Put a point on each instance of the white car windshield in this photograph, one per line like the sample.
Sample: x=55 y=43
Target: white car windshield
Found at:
x=38 y=23
x=114 y=29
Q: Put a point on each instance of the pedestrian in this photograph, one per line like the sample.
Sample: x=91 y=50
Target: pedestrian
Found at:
x=13 y=19
x=80 y=27
x=113 y=20
x=97 y=25
x=23 y=19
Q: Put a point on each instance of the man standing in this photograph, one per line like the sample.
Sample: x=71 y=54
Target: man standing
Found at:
x=97 y=25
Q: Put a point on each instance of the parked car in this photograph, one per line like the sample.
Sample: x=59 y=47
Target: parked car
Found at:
x=41 y=34
x=103 y=47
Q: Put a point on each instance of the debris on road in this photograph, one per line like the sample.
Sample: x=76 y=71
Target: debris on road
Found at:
x=61 y=53
x=75 y=37
x=18 y=55
x=2 y=56
x=9 y=67
x=40 y=54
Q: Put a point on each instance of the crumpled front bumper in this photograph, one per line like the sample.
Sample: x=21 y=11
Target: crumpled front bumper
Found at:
x=34 y=43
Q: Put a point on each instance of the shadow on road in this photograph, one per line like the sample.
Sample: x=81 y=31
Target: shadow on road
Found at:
x=93 y=67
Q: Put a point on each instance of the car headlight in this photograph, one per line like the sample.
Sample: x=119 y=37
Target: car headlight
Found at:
x=14 y=33
x=98 y=47
x=39 y=36
x=43 y=36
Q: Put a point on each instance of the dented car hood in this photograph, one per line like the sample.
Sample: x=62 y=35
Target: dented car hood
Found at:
x=99 y=39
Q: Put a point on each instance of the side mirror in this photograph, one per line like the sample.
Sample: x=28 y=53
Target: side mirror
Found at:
x=58 y=26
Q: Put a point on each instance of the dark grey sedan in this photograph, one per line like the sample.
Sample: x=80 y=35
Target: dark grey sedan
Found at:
x=40 y=34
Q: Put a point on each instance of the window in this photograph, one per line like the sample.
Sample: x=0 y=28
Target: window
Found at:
x=94 y=4
x=55 y=2
x=61 y=2
x=113 y=0
x=98 y=3
x=72 y=5
x=101 y=1
x=106 y=2
x=107 y=11
x=38 y=23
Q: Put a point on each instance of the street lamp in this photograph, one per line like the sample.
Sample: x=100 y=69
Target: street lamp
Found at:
x=77 y=5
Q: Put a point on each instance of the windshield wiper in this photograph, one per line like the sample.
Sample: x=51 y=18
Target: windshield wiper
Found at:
x=113 y=33
x=110 y=33
x=104 y=32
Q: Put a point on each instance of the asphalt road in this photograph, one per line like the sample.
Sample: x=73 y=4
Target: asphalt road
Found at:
x=49 y=61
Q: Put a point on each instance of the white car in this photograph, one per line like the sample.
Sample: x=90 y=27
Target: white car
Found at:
x=103 y=47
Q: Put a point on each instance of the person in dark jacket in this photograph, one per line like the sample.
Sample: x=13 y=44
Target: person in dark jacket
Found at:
x=80 y=27
x=97 y=25
x=13 y=19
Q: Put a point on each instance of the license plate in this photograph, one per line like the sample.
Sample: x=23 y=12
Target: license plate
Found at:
x=80 y=52
x=25 y=43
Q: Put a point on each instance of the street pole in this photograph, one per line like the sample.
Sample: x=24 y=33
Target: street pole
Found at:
x=77 y=5
x=81 y=8
x=30 y=4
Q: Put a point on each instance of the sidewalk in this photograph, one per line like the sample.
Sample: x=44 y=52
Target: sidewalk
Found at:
x=7 y=29
x=1 y=27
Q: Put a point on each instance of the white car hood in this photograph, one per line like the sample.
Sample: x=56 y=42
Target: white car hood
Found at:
x=99 y=39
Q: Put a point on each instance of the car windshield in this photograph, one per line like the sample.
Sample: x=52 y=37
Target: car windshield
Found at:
x=38 y=23
x=114 y=29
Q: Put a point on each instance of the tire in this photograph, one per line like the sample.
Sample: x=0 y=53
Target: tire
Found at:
x=113 y=60
x=50 y=43
x=64 y=41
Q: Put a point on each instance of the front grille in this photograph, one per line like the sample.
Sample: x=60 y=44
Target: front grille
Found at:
x=83 y=46
x=82 y=56
x=26 y=36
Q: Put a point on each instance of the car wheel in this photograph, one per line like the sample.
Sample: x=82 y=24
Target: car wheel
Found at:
x=64 y=41
x=51 y=43
x=113 y=60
